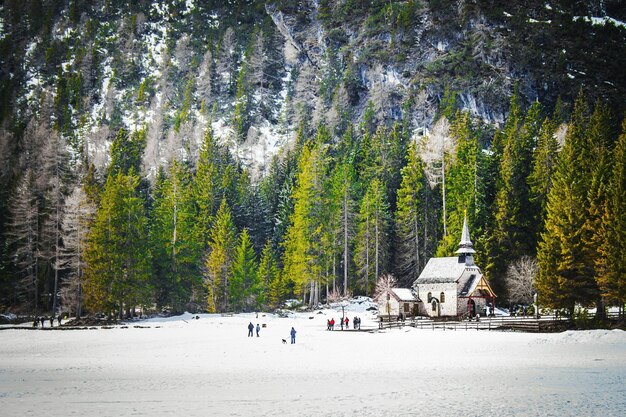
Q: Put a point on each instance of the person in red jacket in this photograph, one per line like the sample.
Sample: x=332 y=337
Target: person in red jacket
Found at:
x=332 y=324
x=347 y=323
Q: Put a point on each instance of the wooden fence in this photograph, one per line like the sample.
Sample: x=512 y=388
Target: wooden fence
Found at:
x=545 y=323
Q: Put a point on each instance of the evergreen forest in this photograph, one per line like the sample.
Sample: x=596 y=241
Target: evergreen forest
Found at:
x=207 y=158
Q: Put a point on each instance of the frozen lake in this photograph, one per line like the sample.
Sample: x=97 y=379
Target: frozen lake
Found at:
x=209 y=367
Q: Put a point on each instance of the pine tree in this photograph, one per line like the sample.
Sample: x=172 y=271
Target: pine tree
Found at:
x=611 y=260
x=565 y=277
x=218 y=263
x=244 y=281
x=409 y=219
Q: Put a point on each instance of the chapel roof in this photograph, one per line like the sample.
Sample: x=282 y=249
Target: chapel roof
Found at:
x=404 y=294
x=437 y=270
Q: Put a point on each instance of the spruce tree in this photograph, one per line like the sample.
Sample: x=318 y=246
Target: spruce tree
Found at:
x=372 y=241
x=126 y=152
x=409 y=219
x=544 y=164
x=514 y=228
x=461 y=182
x=243 y=101
x=219 y=260
x=565 y=277
x=270 y=292
x=117 y=275
x=302 y=239
x=611 y=260
x=341 y=208
x=244 y=284
x=177 y=251
x=206 y=187
x=599 y=136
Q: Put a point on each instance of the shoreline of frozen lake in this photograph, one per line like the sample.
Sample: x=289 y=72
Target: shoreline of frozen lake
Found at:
x=186 y=367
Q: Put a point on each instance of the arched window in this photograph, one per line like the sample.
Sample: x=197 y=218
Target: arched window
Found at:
x=442 y=297
x=430 y=296
x=434 y=304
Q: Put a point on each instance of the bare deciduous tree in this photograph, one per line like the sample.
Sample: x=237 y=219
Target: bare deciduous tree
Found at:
x=384 y=284
x=337 y=296
x=79 y=213
x=433 y=150
x=23 y=235
x=520 y=279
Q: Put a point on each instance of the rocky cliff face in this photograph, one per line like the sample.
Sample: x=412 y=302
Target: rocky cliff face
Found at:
x=253 y=71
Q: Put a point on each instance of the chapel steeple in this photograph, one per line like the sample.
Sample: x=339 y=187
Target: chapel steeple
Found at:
x=466 y=248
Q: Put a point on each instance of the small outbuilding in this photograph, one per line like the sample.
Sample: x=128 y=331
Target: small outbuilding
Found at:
x=454 y=286
x=396 y=301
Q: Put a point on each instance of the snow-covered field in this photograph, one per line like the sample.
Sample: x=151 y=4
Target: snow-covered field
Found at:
x=209 y=367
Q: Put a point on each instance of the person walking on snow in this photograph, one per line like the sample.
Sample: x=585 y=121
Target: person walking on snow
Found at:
x=258 y=329
x=293 y=336
x=250 y=329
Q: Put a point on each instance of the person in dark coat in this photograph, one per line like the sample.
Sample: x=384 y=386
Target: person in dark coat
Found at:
x=250 y=330
x=51 y=321
x=43 y=320
x=59 y=319
x=258 y=329
x=293 y=336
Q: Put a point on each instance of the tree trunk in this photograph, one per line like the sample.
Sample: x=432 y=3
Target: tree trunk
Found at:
x=417 y=245
x=345 y=237
x=367 y=247
x=377 y=242
x=600 y=313
x=443 y=190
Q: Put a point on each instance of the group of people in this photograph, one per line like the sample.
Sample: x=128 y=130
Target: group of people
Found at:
x=43 y=319
x=344 y=322
x=251 y=329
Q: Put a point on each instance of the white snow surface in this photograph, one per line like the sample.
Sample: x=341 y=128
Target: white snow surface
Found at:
x=181 y=366
x=601 y=21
